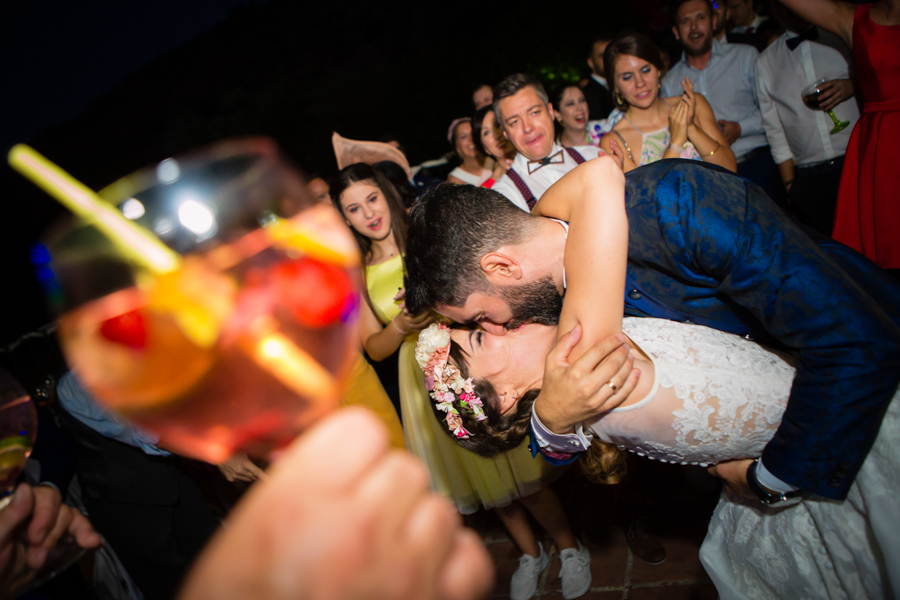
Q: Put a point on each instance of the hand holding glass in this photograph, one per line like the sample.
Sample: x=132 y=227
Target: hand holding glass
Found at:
x=810 y=95
x=18 y=430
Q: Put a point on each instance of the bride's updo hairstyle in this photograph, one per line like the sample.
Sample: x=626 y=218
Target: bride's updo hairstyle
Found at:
x=603 y=463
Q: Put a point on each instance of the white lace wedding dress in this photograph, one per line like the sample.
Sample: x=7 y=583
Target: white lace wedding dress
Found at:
x=717 y=397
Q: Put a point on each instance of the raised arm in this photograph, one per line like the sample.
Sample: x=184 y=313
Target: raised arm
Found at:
x=591 y=198
x=834 y=15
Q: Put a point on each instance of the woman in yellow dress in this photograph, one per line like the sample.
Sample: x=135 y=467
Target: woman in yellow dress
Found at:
x=372 y=218
x=511 y=483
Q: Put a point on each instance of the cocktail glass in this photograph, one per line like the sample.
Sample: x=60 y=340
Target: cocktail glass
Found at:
x=215 y=305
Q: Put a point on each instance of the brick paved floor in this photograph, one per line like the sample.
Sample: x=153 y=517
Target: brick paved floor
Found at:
x=596 y=515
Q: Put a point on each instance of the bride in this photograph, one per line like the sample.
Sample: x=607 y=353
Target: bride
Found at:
x=697 y=396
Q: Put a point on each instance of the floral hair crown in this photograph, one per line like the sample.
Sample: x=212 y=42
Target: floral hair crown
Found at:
x=444 y=381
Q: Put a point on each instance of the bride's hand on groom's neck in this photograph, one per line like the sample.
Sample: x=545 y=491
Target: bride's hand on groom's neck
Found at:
x=600 y=380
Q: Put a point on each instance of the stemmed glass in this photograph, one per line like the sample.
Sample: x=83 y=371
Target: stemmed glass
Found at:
x=810 y=95
x=18 y=430
x=206 y=298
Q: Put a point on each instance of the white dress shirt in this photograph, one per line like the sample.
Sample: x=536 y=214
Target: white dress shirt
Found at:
x=541 y=179
x=728 y=84
x=793 y=130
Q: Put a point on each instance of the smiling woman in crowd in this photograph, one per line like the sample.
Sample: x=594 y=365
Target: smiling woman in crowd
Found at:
x=371 y=208
x=654 y=128
x=572 y=111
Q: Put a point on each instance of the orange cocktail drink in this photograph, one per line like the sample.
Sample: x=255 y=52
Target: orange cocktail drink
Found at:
x=246 y=338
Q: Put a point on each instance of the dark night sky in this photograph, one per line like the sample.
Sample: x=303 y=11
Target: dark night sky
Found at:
x=58 y=56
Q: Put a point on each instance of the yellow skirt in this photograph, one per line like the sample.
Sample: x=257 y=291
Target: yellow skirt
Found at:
x=464 y=478
x=364 y=389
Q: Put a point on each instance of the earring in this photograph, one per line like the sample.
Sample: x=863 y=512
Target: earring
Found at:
x=617 y=96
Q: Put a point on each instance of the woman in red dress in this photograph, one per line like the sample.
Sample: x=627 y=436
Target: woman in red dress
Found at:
x=868 y=206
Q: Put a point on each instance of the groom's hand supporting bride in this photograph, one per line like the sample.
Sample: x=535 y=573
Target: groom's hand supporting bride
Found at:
x=733 y=474
x=574 y=393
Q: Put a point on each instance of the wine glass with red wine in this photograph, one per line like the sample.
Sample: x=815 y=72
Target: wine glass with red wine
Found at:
x=810 y=97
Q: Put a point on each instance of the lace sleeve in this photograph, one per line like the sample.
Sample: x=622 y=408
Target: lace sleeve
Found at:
x=719 y=397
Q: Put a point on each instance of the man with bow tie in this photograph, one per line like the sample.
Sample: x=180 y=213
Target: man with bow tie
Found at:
x=809 y=157
x=526 y=115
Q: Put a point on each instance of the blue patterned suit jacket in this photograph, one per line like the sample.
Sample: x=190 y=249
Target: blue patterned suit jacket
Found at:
x=708 y=247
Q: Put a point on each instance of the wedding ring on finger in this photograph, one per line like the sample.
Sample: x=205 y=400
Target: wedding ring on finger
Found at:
x=612 y=386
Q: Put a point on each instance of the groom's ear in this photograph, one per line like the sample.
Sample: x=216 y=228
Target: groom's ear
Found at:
x=500 y=268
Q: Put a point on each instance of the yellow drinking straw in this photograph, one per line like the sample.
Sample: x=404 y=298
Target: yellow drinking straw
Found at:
x=135 y=242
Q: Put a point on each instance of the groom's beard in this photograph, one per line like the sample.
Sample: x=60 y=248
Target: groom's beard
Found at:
x=535 y=302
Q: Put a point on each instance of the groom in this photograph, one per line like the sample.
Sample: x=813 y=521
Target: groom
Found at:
x=705 y=247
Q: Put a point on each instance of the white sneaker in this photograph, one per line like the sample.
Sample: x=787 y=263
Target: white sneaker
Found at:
x=525 y=579
x=575 y=571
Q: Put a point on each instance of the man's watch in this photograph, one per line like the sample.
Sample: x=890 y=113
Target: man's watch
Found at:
x=764 y=495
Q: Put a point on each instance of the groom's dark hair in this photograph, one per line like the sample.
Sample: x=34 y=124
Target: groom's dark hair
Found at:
x=450 y=229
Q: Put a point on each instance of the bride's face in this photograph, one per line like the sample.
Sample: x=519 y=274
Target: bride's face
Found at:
x=512 y=363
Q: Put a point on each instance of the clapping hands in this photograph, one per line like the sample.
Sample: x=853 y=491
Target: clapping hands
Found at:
x=681 y=117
